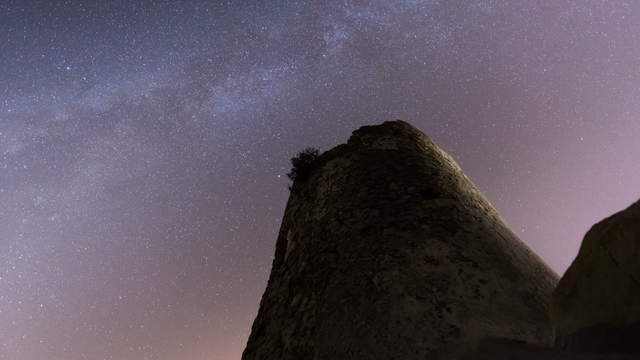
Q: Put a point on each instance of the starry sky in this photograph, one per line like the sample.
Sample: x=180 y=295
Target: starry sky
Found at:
x=144 y=145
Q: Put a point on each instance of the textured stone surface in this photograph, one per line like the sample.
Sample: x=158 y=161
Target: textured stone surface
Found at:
x=596 y=306
x=388 y=251
x=503 y=349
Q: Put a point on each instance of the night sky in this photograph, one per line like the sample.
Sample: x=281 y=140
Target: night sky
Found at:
x=144 y=145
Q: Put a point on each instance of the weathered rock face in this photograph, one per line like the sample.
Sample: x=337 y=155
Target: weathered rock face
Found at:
x=388 y=251
x=596 y=306
x=502 y=349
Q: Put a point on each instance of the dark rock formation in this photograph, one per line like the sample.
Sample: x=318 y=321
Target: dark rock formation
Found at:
x=504 y=349
x=596 y=307
x=388 y=251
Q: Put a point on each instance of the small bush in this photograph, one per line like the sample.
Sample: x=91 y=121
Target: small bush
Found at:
x=303 y=164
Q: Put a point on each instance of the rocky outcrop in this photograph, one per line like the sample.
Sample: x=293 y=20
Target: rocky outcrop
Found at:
x=504 y=349
x=388 y=251
x=596 y=306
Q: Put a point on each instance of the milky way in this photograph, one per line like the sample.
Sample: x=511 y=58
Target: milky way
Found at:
x=144 y=145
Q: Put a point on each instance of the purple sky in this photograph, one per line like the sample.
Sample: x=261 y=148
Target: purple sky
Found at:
x=144 y=145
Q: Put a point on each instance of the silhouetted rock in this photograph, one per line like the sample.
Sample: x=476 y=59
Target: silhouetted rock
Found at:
x=596 y=306
x=388 y=251
x=505 y=349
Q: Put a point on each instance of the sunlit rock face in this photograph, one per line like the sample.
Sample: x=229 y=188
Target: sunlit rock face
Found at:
x=388 y=251
x=596 y=307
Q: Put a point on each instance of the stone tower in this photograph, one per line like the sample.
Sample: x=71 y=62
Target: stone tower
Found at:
x=388 y=251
